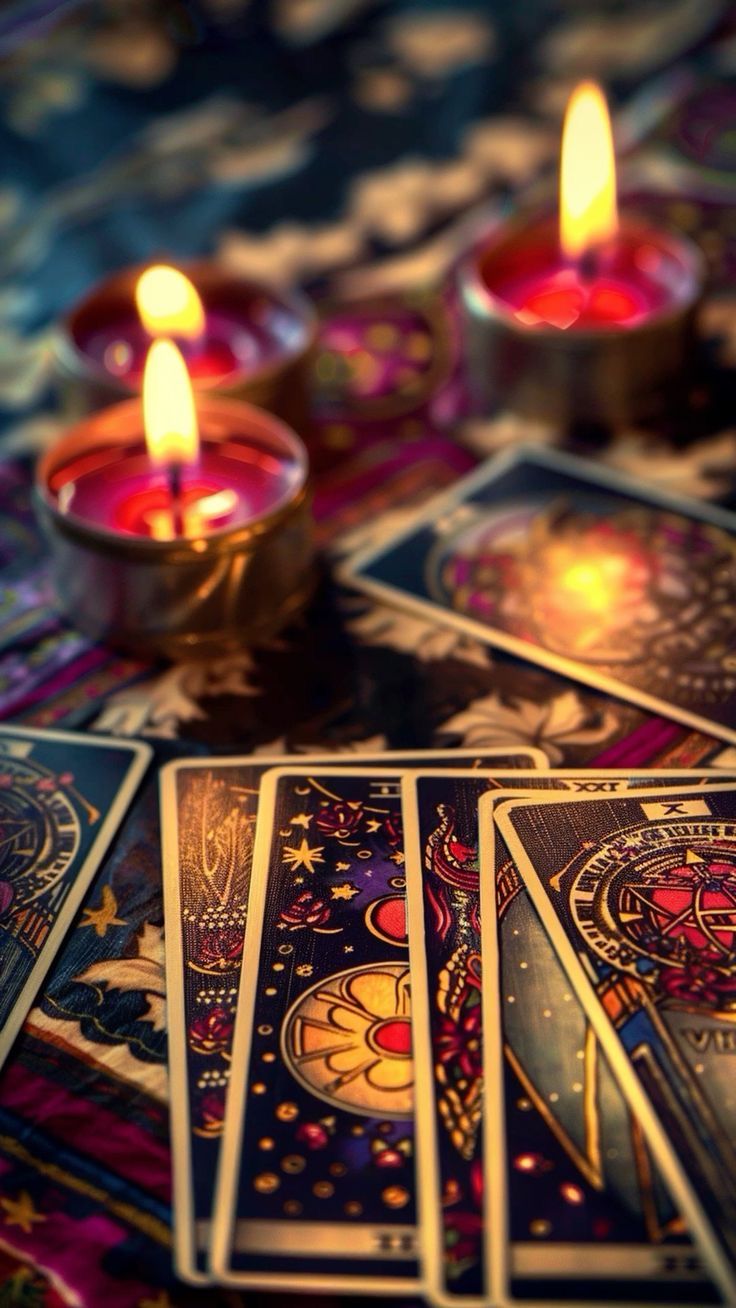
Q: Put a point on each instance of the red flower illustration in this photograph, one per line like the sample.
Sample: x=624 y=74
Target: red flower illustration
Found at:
x=211 y=1114
x=306 y=911
x=221 y=949
x=339 y=820
x=459 y=1044
x=394 y=830
x=212 y=1032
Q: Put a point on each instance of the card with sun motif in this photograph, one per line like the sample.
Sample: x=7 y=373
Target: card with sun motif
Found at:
x=208 y=811
x=446 y=948
x=317 y=1175
x=627 y=589
x=62 y=798
x=637 y=893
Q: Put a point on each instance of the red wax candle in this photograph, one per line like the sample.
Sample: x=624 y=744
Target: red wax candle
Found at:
x=641 y=274
x=581 y=317
x=236 y=480
x=251 y=341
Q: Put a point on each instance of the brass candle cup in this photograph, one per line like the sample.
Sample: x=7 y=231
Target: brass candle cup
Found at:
x=279 y=383
x=609 y=376
x=182 y=597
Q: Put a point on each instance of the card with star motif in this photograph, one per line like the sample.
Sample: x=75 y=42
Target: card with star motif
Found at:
x=628 y=589
x=316 y=1186
x=62 y=799
x=445 y=938
x=637 y=893
x=208 y=811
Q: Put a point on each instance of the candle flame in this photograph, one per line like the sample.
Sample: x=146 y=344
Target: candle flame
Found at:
x=588 y=212
x=168 y=304
x=169 y=415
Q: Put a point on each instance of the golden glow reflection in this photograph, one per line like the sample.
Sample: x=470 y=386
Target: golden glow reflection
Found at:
x=588 y=210
x=169 y=415
x=168 y=303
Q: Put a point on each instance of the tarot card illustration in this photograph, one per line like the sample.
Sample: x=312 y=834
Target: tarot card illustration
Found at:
x=441 y=833
x=209 y=811
x=582 y=1211
x=631 y=591
x=639 y=897
x=318 y=1166
x=62 y=798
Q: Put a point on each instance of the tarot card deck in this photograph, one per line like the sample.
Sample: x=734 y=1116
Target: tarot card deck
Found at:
x=360 y=1105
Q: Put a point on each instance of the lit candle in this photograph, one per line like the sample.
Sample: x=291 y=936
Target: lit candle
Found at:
x=175 y=525
x=585 y=316
x=239 y=338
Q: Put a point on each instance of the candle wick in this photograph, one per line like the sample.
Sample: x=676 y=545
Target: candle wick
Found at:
x=175 y=494
x=588 y=265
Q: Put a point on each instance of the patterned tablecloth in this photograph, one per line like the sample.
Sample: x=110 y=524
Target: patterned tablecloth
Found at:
x=353 y=147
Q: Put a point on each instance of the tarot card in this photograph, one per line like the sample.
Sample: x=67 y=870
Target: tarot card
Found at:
x=442 y=870
x=629 y=590
x=608 y=1229
x=316 y=1184
x=638 y=895
x=209 y=810
x=62 y=798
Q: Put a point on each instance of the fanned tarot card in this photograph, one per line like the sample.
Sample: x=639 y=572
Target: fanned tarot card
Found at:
x=638 y=895
x=209 y=810
x=630 y=590
x=443 y=884
x=62 y=798
x=580 y=1210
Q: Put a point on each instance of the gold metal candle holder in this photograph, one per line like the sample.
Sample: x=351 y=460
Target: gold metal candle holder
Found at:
x=279 y=384
x=605 y=376
x=180 y=597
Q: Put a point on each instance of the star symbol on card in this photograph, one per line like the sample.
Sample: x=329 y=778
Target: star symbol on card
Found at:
x=348 y=949
x=342 y=867
x=21 y=1212
x=398 y=858
x=373 y=824
x=103 y=917
x=346 y=891
x=301 y=820
x=302 y=855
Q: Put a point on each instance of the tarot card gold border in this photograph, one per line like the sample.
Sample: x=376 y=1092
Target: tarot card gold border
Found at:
x=427 y=1149
x=235 y=1117
x=499 y=1250
x=140 y=757
x=666 y=1158
x=185 y=1234
x=352 y=572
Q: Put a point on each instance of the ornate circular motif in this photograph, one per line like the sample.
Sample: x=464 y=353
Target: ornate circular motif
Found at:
x=348 y=1040
x=640 y=591
x=39 y=832
x=663 y=893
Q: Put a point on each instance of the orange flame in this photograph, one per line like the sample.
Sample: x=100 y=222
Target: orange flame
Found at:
x=168 y=304
x=169 y=415
x=588 y=211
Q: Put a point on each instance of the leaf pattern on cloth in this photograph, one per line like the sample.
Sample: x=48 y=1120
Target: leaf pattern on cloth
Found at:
x=145 y=973
x=562 y=721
